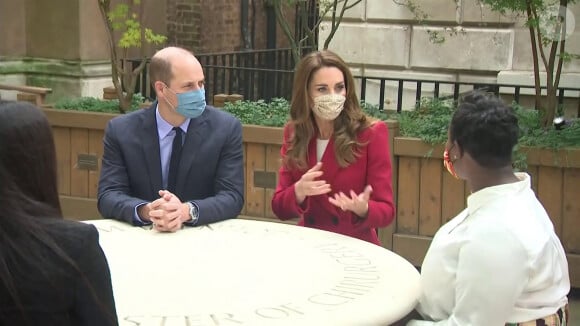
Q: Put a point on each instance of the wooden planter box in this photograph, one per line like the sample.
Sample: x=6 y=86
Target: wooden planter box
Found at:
x=79 y=146
x=78 y=137
x=428 y=196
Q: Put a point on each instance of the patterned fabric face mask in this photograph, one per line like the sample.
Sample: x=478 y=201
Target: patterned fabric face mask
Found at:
x=328 y=106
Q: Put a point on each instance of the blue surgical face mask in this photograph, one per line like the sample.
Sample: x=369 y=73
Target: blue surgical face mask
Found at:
x=190 y=104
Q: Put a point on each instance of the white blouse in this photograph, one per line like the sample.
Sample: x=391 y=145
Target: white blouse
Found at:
x=498 y=261
x=320 y=148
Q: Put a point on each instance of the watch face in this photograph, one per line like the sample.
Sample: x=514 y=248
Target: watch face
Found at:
x=192 y=211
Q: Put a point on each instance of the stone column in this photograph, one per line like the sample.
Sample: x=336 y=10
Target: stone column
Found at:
x=58 y=44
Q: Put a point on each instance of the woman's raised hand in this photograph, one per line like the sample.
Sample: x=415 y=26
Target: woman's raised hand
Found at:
x=308 y=186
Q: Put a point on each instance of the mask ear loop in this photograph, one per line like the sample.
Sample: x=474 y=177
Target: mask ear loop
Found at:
x=167 y=100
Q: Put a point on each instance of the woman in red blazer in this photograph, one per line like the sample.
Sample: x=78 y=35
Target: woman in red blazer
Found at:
x=336 y=168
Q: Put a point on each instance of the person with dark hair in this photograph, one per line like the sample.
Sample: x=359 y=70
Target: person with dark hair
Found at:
x=52 y=271
x=336 y=167
x=499 y=262
x=180 y=162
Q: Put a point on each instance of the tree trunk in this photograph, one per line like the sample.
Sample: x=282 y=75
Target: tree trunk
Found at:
x=125 y=102
x=535 y=58
x=551 y=105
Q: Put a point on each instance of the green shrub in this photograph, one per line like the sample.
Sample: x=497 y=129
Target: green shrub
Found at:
x=374 y=111
x=430 y=121
x=271 y=114
x=532 y=134
x=93 y=104
x=277 y=112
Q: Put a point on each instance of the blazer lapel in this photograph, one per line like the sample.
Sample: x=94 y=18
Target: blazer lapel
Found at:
x=151 y=155
x=311 y=153
x=195 y=131
x=329 y=165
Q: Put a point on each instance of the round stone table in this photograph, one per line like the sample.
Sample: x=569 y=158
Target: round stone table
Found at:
x=244 y=272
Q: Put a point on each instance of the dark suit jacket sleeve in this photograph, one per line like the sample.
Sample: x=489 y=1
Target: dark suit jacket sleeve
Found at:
x=114 y=200
x=229 y=179
x=94 y=301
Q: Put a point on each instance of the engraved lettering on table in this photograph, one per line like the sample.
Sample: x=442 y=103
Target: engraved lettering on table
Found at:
x=267 y=231
x=190 y=320
x=360 y=276
x=224 y=317
x=283 y=311
x=112 y=228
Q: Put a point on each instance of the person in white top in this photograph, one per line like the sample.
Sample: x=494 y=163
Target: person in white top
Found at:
x=499 y=262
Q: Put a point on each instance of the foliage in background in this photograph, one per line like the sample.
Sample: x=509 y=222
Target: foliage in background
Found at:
x=532 y=135
x=93 y=104
x=277 y=112
x=125 y=21
x=270 y=114
x=333 y=9
x=430 y=121
x=549 y=23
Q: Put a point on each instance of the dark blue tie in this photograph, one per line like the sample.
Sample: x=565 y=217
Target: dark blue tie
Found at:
x=174 y=162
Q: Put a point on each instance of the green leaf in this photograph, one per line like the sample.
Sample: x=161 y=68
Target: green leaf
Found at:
x=93 y=104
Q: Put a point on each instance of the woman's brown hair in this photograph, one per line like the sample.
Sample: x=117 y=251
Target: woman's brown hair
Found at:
x=346 y=126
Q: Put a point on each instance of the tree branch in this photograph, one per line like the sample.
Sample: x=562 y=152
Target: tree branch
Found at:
x=563 y=31
x=539 y=35
x=277 y=5
x=345 y=7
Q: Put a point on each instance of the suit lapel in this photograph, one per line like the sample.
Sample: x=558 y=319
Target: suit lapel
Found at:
x=151 y=155
x=195 y=131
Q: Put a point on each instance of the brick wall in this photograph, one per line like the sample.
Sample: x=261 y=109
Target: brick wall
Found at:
x=220 y=26
x=183 y=18
x=209 y=26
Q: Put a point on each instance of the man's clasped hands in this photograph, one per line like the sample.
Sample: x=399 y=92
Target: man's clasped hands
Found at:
x=167 y=213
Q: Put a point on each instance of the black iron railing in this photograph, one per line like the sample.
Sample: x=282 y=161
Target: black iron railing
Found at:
x=258 y=74
x=405 y=93
x=267 y=74
x=255 y=74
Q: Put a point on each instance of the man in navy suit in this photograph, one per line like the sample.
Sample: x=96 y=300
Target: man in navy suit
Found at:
x=179 y=161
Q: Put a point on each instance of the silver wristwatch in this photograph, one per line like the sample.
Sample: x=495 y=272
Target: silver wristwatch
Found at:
x=193 y=212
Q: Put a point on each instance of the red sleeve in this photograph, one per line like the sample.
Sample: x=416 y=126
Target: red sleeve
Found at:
x=379 y=175
x=284 y=200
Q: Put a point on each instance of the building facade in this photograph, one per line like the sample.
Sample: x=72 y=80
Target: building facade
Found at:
x=379 y=38
x=63 y=45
